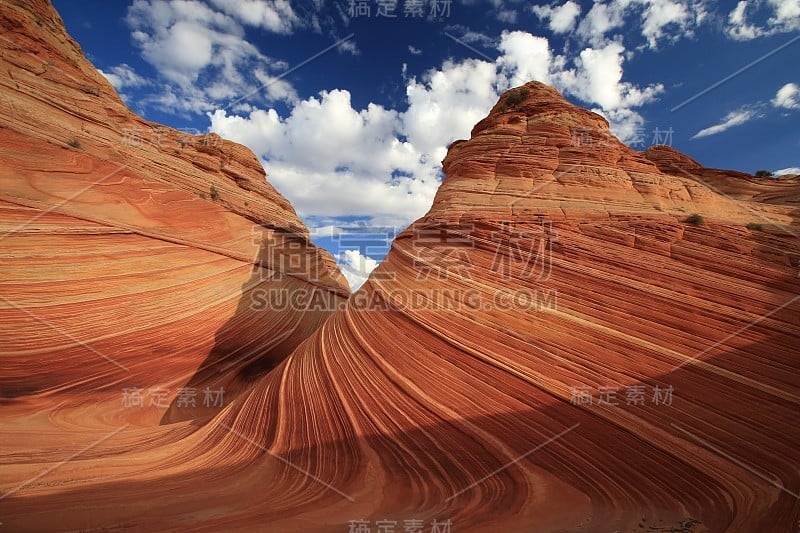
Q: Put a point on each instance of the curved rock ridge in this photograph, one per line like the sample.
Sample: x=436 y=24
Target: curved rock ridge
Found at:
x=553 y=347
x=131 y=252
x=779 y=193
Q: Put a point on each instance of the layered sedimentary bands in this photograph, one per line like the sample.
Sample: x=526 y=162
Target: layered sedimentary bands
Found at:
x=128 y=248
x=558 y=345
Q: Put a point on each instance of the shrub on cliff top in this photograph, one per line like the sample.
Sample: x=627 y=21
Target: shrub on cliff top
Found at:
x=514 y=98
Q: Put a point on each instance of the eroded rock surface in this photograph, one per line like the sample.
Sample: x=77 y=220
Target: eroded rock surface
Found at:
x=131 y=251
x=553 y=347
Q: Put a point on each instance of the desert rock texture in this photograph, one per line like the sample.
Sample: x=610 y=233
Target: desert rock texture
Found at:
x=576 y=337
x=129 y=249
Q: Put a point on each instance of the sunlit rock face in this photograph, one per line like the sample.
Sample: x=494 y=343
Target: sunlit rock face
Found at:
x=766 y=197
x=558 y=345
x=132 y=254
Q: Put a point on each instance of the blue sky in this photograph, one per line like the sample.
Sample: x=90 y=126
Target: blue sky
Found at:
x=351 y=110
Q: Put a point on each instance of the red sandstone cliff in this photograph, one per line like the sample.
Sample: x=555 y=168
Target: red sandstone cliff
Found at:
x=454 y=386
x=506 y=365
x=130 y=250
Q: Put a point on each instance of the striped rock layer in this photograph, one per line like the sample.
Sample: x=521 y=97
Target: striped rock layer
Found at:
x=131 y=252
x=553 y=347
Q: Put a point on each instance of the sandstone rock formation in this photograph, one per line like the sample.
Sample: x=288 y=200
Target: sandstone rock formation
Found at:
x=547 y=273
x=131 y=250
x=760 y=195
x=553 y=347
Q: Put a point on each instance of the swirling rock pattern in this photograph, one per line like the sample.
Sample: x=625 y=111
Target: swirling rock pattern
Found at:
x=553 y=347
x=130 y=251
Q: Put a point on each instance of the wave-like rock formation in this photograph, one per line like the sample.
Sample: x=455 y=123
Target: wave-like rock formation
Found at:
x=131 y=252
x=760 y=193
x=576 y=337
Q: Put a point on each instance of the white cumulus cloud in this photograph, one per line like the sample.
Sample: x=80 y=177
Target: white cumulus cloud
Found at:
x=734 y=118
x=601 y=19
x=562 y=18
x=787 y=97
x=355 y=267
x=782 y=16
x=661 y=14
x=123 y=76
x=598 y=79
x=738 y=27
x=658 y=20
x=202 y=55
x=359 y=167
x=332 y=159
x=785 y=171
x=527 y=56
x=274 y=15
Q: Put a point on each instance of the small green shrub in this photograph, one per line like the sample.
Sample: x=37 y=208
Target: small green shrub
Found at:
x=763 y=174
x=515 y=97
x=75 y=143
x=755 y=226
x=214 y=193
x=694 y=219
